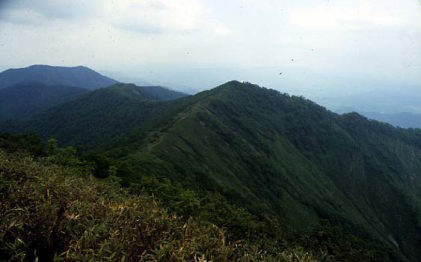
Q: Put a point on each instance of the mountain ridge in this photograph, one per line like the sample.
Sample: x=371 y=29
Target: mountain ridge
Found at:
x=256 y=157
x=25 y=99
x=270 y=153
x=79 y=76
x=106 y=112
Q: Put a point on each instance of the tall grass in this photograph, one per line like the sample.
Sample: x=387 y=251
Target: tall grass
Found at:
x=54 y=212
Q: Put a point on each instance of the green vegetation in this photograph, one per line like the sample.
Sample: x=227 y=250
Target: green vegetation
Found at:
x=52 y=208
x=22 y=143
x=272 y=171
x=98 y=117
x=26 y=99
x=285 y=157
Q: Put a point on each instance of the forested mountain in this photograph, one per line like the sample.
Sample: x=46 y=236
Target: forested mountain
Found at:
x=26 y=99
x=79 y=76
x=282 y=158
x=99 y=116
x=286 y=156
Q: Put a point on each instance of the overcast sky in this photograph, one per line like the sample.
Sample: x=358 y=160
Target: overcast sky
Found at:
x=319 y=44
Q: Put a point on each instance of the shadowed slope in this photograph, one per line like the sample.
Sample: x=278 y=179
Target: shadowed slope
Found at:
x=23 y=100
x=79 y=76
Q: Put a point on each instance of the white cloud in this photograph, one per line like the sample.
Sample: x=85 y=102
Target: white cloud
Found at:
x=337 y=37
x=142 y=16
x=51 y=9
x=360 y=14
x=183 y=15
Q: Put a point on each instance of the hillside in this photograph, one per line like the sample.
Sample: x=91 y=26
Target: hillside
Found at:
x=26 y=99
x=286 y=156
x=52 y=208
x=99 y=116
x=79 y=76
x=284 y=159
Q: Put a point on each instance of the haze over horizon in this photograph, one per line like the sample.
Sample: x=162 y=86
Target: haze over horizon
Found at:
x=313 y=48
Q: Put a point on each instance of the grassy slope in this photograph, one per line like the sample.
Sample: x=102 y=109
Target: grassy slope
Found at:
x=284 y=155
x=273 y=154
x=54 y=211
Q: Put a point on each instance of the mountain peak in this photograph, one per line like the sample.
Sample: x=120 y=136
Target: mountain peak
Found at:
x=236 y=83
x=241 y=85
x=79 y=76
x=42 y=66
x=236 y=90
x=37 y=66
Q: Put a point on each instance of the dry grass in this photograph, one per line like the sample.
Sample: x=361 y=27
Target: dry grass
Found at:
x=48 y=213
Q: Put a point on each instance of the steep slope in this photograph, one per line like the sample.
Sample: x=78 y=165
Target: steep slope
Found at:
x=79 y=76
x=97 y=117
x=25 y=99
x=283 y=155
x=52 y=208
x=273 y=154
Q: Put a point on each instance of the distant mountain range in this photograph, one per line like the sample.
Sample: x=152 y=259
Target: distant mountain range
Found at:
x=403 y=119
x=398 y=106
x=31 y=90
x=399 y=119
x=79 y=76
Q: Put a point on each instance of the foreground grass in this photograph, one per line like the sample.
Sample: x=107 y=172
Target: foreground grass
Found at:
x=54 y=212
